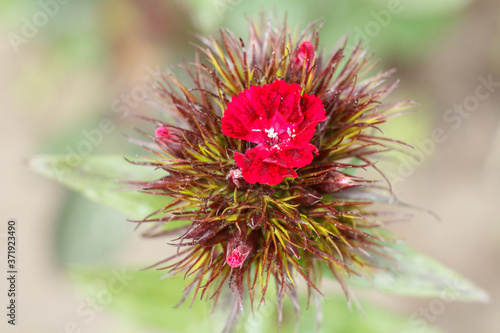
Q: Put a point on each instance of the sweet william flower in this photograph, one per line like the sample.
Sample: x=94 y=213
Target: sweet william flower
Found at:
x=281 y=122
x=258 y=163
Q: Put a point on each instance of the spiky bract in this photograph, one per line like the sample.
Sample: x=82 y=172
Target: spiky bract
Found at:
x=281 y=232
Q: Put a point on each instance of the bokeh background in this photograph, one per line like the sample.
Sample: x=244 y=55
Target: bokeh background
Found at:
x=64 y=71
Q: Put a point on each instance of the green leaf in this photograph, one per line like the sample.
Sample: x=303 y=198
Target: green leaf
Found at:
x=143 y=299
x=337 y=317
x=87 y=232
x=412 y=273
x=100 y=178
x=415 y=274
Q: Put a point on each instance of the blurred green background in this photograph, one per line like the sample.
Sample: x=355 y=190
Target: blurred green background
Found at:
x=67 y=65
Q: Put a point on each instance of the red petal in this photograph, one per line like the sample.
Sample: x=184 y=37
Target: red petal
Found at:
x=256 y=170
x=248 y=114
x=273 y=106
x=314 y=113
x=281 y=122
x=292 y=157
x=235 y=259
x=289 y=111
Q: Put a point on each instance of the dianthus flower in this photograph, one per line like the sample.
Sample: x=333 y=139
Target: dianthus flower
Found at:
x=281 y=122
x=258 y=165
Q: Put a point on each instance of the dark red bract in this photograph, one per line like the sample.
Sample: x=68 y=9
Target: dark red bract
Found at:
x=281 y=122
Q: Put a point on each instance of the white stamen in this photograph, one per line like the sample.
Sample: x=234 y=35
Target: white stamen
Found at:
x=256 y=130
x=271 y=133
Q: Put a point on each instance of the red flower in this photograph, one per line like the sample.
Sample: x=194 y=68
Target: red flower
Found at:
x=281 y=122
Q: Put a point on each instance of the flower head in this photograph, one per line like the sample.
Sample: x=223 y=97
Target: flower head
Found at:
x=281 y=122
x=258 y=167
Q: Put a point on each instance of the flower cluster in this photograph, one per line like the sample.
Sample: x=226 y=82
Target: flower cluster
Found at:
x=259 y=165
x=281 y=122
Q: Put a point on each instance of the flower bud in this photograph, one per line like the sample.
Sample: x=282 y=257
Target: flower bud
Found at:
x=169 y=138
x=334 y=182
x=308 y=197
x=239 y=250
x=235 y=178
x=305 y=55
x=256 y=219
x=162 y=132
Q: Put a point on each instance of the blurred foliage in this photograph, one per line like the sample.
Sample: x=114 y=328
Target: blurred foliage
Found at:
x=146 y=300
x=426 y=8
x=404 y=31
x=414 y=274
x=91 y=52
x=88 y=232
x=103 y=179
